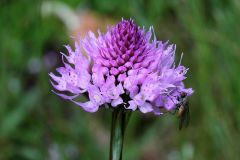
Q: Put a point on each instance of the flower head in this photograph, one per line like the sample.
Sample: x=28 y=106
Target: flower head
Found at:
x=124 y=67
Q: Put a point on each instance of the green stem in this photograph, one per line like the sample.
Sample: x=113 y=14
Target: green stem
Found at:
x=120 y=118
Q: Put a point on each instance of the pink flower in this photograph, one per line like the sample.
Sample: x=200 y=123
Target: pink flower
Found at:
x=123 y=67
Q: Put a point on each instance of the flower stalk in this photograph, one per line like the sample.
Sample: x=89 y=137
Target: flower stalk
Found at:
x=120 y=118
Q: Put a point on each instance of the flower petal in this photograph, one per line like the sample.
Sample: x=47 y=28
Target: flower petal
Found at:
x=145 y=108
x=116 y=102
x=87 y=106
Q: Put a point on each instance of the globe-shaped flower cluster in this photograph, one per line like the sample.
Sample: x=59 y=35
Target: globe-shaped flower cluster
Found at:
x=125 y=67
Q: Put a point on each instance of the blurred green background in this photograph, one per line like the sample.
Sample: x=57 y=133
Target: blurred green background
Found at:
x=35 y=124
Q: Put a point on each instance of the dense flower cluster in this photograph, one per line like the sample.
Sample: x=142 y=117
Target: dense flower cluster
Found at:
x=126 y=67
